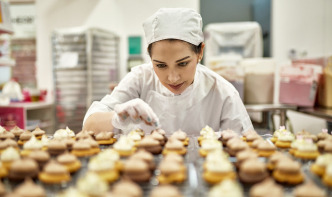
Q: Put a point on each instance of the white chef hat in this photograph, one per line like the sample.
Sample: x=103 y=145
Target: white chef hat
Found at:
x=174 y=23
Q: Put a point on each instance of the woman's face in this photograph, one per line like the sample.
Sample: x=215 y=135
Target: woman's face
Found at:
x=175 y=64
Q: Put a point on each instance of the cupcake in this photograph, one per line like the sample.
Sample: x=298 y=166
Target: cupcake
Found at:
x=277 y=132
x=206 y=133
x=124 y=146
x=165 y=191
x=56 y=147
x=127 y=188
x=8 y=143
x=23 y=168
x=320 y=164
x=266 y=188
x=299 y=140
x=6 y=135
x=171 y=172
x=308 y=189
x=82 y=149
x=94 y=145
x=265 y=149
x=252 y=137
x=323 y=135
x=29 y=189
x=327 y=177
x=174 y=146
x=236 y=145
x=159 y=137
x=134 y=136
x=70 y=161
x=84 y=135
x=162 y=132
x=24 y=137
x=105 y=169
x=274 y=159
x=146 y=157
x=54 y=173
x=252 y=171
x=137 y=170
x=31 y=145
x=226 y=188
x=38 y=133
x=41 y=157
x=182 y=136
x=17 y=132
x=217 y=170
x=70 y=192
x=227 y=135
x=288 y=171
x=92 y=185
x=245 y=155
x=208 y=145
x=105 y=138
x=151 y=145
x=256 y=142
x=110 y=155
x=285 y=140
x=307 y=150
x=2 y=190
x=9 y=156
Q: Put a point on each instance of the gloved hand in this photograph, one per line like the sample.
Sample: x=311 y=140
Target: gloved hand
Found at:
x=133 y=112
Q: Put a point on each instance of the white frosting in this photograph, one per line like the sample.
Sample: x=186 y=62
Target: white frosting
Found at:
x=134 y=135
x=10 y=154
x=44 y=140
x=286 y=136
x=124 y=143
x=63 y=133
x=109 y=154
x=206 y=130
x=97 y=164
x=209 y=144
x=226 y=188
x=329 y=170
x=219 y=166
x=324 y=160
x=92 y=184
x=297 y=143
x=70 y=132
x=72 y=192
x=33 y=144
x=2 y=130
x=307 y=147
x=217 y=154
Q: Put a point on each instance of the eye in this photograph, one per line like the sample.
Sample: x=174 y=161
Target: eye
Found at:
x=161 y=65
x=183 y=64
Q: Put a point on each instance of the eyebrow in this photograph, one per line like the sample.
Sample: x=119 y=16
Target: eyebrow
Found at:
x=175 y=61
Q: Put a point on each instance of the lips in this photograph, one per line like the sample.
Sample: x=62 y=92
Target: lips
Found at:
x=176 y=87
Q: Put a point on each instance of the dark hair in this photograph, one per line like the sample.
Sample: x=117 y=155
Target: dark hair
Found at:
x=194 y=48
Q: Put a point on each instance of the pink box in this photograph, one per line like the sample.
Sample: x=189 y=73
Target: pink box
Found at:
x=299 y=84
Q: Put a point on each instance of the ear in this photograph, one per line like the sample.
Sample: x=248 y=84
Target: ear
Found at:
x=202 y=51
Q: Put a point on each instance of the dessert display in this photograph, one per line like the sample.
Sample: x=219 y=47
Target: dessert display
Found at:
x=105 y=138
x=288 y=171
x=182 y=136
x=54 y=173
x=150 y=144
x=69 y=161
x=165 y=191
x=266 y=188
x=38 y=133
x=124 y=146
x=174 y=146
x=320 y=164
x=23 y=168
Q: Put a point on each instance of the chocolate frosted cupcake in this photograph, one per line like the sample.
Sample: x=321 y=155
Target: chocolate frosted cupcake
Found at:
x=162 y=132
x=83 y=135
x=38 y=133
x=252 y=171
x=94 y=145
x=182 y=136
x=159 y=137
x=245 y=155
x=267 y=188
x=6 y=134
x=174 y=146
x=151 y=145
x=29 y=189
x=309 y=189
x=236 y=145
x=8 y=143
x=70 y=161
x=105 y=138
x=23 y=168
x=171 y=172
x=54 y=173
x=56 y=147
x=127 y=188
x=24 y=137
x=137 y=170
x=41 y=157
x=146 y=157
x=69 y=143
x=17 y=132
x=82 y=149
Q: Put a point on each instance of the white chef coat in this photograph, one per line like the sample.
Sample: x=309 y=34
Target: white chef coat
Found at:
x=210 y=100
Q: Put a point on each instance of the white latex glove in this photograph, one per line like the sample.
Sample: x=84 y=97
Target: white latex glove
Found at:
x=133 y=112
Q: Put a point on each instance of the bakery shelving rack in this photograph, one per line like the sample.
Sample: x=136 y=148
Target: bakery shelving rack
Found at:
x=85 y=62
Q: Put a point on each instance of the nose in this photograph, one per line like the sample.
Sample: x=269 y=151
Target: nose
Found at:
x=173 y=76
